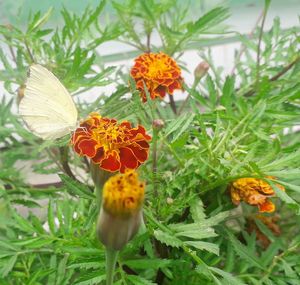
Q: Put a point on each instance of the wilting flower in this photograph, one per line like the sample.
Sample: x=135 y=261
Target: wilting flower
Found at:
x=121 y=212
x=270 y=222
x=111 y=145
x=254 y=191
x=158 y=72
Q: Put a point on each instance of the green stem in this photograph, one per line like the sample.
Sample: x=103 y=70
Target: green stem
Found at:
x=99 y=177
x=111 y=260
x=267 y=4
x=154 y=162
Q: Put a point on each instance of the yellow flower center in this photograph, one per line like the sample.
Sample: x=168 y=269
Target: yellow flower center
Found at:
x=157 y=68
x=123 y=194
x=109 y=136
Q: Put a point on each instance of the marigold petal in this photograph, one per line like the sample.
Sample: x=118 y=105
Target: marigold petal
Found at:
x=127 y=158
x=161 y=91
x=140 y=154
x=87 y=147
x=99 y=155
x=111 y=163
x=267 y=207
x=143 y=144
x=172 y=87
x=140 y=133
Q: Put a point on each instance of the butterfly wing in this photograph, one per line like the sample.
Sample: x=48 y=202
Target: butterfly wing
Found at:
x=47 y=107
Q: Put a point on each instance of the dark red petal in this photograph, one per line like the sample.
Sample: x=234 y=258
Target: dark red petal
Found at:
x=127 y=158
x=140 y=153
x=87 y=147
x=99 y=155
x=161 y=91
x=126 y=124
x=140 y=132
x=111 y=163
x=142 y=144
x=173 y=86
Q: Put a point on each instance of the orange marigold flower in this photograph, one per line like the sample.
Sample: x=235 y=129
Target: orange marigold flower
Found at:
x=253 y=191
x=113 y=146
x=159 y=72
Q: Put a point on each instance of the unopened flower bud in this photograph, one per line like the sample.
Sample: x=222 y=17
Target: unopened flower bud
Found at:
x=121 y=211
x=158 y=124
x=201 y=70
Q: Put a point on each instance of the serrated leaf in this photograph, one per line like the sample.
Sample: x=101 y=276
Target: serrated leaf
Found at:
x=76 y=188
x=227 y=276
x=137 y=280
x=208 y=246
x=244 y=252
x=8 y=266
x=90 y=278
x=88 y=265
x=167 y=238
x=197 y=210
x=197 y=234
x=177 y=124
x=147 y=263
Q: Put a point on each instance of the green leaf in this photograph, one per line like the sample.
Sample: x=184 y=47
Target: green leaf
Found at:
x=9 y=265
x=167 y=238
x=227 y=276
x=51 y=221
x=61 y=270
x=208 y=246
x=76 y=188
x=147 y=263
x=244 y=252
x=208 y=20
x=137 y=280
x=90 y=278
x=39 y=21
x=179 y=125
x=228 y=89
x=197 y=210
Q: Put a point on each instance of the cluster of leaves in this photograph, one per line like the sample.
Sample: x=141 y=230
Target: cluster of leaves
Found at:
x=229 y=128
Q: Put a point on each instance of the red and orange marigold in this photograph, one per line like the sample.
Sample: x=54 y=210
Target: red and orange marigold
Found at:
x=158 y=72
x=254 y=191
x=113 y=146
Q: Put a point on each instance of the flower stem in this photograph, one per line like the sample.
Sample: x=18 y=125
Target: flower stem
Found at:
x=111 y=260
x=172 y=104
x=154 y=161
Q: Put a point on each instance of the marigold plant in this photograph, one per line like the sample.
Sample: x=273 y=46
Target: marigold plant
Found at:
x=147 y=190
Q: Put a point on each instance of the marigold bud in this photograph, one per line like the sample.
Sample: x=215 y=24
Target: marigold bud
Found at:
x=158 y=124
x=120 y=214
x=201 y=70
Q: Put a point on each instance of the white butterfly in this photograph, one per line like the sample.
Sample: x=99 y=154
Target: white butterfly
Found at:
x=47 y=107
